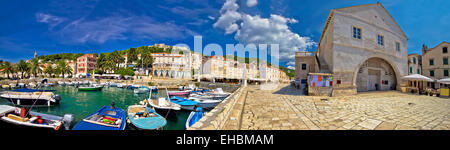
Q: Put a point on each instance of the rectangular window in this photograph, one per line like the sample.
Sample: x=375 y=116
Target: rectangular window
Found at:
x=431 y=73
x=303 y=66
x=380 y=40
x=445 y=73
x=445 y=61
x=418 y=71
x=431 y=62
x=410 y=70
x=444 y=50
x=397 y=46
x=356 y=33
x=414 y=60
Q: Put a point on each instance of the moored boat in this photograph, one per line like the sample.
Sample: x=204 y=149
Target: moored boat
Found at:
x=90 y=88
x=195 y=116
x=179 y=93
x=206 y=103
x=106 y=118
x=24 y=117
x=185 y=104
x=144 y=118
x=31 y=97
x=141 y=90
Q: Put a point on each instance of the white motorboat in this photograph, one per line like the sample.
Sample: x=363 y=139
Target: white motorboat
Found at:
x=163 y=104
x=141 y=90
x=61 y=83
x=206 y=103
x=32 y=85
x=12 y=85
x=120 y=85
x=112 y=84
x=31 y=97
x=22 y=117
x=21 y=85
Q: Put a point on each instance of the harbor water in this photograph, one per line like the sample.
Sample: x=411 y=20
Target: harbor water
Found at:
x=83 y=103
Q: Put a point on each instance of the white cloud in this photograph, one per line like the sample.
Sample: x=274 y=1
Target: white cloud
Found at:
x=291 y=67
x=51 y=20
x=251 y=29
x=251 y=3
x=110 y=28
x=229 y=17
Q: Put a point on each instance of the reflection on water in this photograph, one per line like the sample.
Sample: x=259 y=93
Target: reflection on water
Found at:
x=83 y=103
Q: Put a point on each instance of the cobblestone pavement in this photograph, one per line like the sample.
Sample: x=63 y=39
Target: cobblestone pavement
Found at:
x=286 y=109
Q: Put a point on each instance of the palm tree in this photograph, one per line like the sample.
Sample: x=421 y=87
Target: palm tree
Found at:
x=63 y=68
x=8 y=69
x=49 y=70
x=35 y=67
x=146 y=60
x=22 y=67
x=117 y=58
x=101 y=60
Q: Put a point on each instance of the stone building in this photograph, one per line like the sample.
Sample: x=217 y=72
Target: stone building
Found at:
x=86 y=63
x=414 y=64
x=167 y=65
x=435 y=61
x=363 y=49
x=305 y=62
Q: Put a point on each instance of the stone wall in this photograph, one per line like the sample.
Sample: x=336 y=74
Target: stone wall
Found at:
x=216 y=118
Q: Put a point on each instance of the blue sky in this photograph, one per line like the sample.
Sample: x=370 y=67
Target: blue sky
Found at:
x=94 y=26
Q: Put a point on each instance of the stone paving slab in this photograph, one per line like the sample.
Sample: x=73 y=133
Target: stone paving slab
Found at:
x=285 y=108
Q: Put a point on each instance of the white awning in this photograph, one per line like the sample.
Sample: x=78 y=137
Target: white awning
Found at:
x=417 y=77
x=446 y=80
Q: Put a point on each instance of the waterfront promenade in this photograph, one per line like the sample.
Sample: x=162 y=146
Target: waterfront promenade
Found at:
x=286 y=108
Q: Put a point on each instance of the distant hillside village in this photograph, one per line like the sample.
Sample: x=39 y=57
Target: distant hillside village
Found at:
x=146 y=62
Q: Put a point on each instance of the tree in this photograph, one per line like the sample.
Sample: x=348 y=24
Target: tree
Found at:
x=35 y=67
x=8 y=69
x=22 y=67
x=63 y=68
x=49 y=70
x=125 y=72
x=132 y=56
x=117 y=58
x=101 y=62
x=146 y=60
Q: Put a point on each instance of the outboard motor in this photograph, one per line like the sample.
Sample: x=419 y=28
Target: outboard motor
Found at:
x=67 y=121
x=57 y=98
x=44 y=81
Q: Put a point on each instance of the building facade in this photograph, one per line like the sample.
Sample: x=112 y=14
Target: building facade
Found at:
x=86 y=63
x=305 y=62
x=363 y=49
x=435 y=61
x=167 y=65
x=414 y=64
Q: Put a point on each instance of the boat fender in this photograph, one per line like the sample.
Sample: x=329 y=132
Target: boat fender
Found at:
x=67 y=121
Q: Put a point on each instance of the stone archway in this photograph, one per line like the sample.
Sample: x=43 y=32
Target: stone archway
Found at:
x=376 y=74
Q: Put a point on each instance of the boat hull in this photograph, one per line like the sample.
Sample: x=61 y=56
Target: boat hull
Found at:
x=28 y=102
x=148 y=123
x=84 y=125
x=90 y=89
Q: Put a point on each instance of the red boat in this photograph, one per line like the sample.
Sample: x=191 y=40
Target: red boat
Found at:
x=179 y=93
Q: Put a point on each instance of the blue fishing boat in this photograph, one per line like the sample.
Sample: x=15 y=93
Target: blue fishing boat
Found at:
x=194 y=117
x=144 y=118
x=185 y=104
x=106 y=118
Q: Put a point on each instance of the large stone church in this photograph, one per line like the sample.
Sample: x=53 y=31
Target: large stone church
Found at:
x=362 y=48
